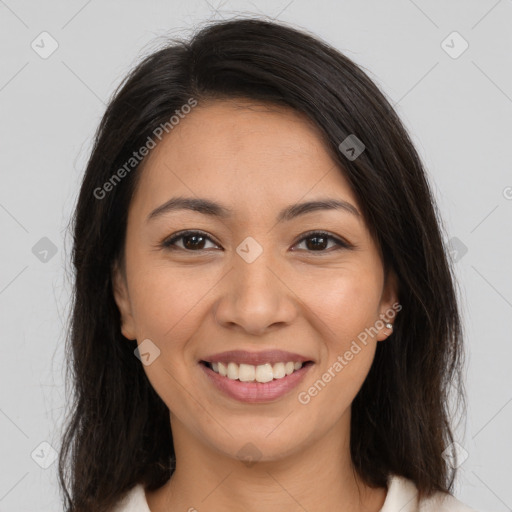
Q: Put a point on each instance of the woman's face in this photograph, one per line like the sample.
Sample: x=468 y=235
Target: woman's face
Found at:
x=251 y=281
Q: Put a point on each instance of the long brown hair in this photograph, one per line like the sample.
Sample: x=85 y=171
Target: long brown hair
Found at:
x=118 y=432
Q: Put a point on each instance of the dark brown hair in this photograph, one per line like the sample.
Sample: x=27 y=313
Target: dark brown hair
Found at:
x=118 y=431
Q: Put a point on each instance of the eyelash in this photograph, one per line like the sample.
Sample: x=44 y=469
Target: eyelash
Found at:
x=169 y=242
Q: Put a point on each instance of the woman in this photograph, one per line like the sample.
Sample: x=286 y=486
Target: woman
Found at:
x=264 y=314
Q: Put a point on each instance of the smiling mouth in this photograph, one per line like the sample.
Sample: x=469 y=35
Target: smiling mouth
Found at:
x=255 y=373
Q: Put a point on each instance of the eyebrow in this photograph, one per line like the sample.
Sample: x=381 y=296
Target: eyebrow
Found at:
x=213 y=209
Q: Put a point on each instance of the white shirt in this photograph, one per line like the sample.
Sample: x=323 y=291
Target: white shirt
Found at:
x=401 y=497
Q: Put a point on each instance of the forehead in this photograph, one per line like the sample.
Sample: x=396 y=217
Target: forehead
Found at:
x=245 y=153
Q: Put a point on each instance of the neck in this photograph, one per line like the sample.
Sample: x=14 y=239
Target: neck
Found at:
x=316 y=478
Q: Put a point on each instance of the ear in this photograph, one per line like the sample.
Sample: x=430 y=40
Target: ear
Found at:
x=389 y=305
x=122 y=298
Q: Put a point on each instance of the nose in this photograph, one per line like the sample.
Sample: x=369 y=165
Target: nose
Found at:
x=254 y=297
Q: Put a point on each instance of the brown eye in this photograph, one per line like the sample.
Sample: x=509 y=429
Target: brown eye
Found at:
x=191 y=241
x=195 y=241
x=317 y=241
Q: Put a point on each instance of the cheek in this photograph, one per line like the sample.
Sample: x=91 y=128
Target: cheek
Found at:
x=344 y=309
x=168 y=305
x=346 y=302
x=167 y=302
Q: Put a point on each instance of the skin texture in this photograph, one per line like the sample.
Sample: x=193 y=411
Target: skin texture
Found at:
x=255 y=160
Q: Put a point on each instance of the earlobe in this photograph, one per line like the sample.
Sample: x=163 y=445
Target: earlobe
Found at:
x=122 y=299
x=389 y=306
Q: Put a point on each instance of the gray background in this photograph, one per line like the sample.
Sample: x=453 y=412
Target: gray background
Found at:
x=457 y=107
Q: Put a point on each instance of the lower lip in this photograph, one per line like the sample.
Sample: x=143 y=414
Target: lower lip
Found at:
x=255 y=392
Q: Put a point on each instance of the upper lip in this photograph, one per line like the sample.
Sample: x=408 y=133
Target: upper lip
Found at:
x=255 y=358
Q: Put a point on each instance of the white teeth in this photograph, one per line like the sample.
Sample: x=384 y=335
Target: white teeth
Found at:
x=232 y=371
x=223 y=370
x=264 y=373
x=278 y=371
x=261 y=373
x=246 y=372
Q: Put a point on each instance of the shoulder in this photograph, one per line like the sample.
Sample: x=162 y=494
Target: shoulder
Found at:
x=133 y=501
x=402 y=495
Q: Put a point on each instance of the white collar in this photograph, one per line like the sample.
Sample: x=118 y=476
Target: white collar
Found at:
x=401 y=497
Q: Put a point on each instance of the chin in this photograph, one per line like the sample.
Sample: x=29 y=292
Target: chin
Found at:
x=258 y=447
